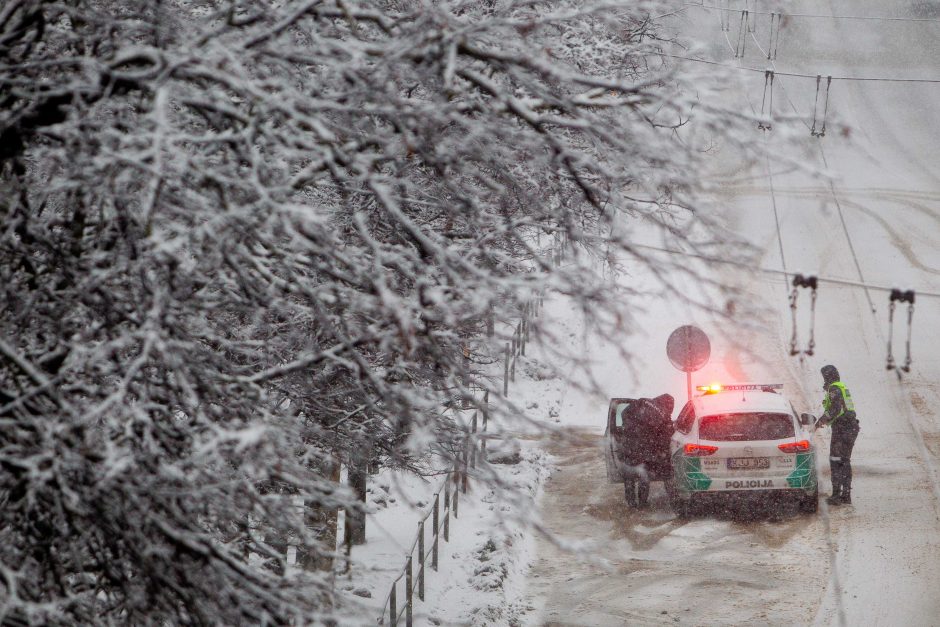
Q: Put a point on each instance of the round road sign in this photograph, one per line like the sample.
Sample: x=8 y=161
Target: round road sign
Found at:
x=688 y=348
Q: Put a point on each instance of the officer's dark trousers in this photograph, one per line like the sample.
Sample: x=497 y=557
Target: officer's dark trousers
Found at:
x=844 y=433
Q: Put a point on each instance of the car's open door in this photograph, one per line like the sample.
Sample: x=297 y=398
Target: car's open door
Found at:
x=612 y=454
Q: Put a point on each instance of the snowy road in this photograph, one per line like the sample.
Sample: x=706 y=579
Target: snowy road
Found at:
x=878 y=222
x=659 y=569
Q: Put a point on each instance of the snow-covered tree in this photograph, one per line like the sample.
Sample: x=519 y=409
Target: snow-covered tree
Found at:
x=245 y=241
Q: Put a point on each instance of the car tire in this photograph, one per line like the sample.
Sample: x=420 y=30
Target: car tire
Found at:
x=679 y=505
x=810 y=504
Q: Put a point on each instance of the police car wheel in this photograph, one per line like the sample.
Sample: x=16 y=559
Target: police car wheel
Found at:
x=683 y=509
x=810 y=504
x=679 y=505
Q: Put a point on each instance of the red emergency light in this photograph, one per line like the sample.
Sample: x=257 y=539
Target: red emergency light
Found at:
x=715 y=388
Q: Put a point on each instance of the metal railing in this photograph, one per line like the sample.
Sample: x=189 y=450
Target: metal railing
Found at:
x=467 y=458
x=520 y=337
x=450 y=504
x=440 y=524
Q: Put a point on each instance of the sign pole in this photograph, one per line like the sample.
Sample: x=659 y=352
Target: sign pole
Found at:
x=688 y=350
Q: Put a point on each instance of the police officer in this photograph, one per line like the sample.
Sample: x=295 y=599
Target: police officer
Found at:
x=840 y=415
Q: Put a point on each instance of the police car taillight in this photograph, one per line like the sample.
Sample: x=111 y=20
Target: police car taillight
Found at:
x=699 y=450
x=794 y=447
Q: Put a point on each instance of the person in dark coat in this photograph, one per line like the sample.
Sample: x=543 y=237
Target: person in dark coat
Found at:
x=653 y=429
x=665 y=403
x=840 y=415
x=644 y=445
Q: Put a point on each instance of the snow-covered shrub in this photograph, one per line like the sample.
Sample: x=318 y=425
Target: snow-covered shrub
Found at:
x=244 y=242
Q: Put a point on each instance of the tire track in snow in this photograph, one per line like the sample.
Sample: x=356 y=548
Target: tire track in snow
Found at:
x=897 y=240
x=904 y=201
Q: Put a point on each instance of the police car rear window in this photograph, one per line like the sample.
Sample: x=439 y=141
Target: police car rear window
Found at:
x=749 y=426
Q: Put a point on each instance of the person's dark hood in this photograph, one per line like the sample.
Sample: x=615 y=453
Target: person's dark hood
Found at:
x=829 y=374
x=666 y=403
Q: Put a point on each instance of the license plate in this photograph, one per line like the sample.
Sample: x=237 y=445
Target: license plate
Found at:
x=748 y=463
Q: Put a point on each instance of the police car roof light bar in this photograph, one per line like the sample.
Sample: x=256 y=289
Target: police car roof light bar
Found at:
x=715 y=387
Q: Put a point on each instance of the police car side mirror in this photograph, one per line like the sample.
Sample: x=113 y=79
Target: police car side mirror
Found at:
x=807 y=419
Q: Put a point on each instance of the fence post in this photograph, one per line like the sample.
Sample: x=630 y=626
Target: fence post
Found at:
x=466 y=457
x=409 y=597
x=393 y=606
x=421 y=560
x=524 y=329
x=447 y=510
x=473 y=442
x=515 y=348
x=506 y=373
x=486 y=413
x=435 y=524
x=532 y=312
x=486 y=408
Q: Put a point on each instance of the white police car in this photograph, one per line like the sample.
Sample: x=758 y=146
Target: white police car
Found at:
x=741 y=439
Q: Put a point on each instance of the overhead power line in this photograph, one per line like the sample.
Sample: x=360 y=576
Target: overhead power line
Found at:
x=799 y=75
x=845 y=229
x=784 y=273
x=873 y=18
x=773 y=200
